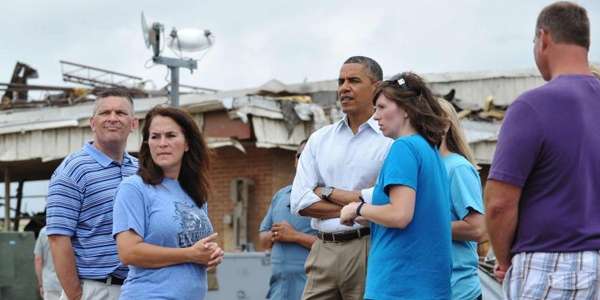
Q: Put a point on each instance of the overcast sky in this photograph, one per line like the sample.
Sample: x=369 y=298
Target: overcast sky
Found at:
x=288 y=40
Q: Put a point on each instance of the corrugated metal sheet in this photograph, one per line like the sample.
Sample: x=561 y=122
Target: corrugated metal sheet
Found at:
x=42 y=125
x=273 y=133
x=480 y=131
x=225 y=142
x=482 y=137
x=50 y=144
x=484 y=151
x=504 y=90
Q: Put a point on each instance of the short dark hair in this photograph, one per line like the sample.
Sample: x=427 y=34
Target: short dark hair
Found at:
x=114 y=92
x=193 y=176
x=302 y=142
x=373 y=68
x=566 y=22
x=410 y=92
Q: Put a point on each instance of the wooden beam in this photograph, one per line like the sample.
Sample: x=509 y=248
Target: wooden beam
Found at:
x=6 y=199
x=19 y=201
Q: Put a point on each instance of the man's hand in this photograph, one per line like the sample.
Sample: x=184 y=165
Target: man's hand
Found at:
x=65 y=265
x=361 y=220
x=500 y=272
x=283 y=232
x=501 y=215
x=348 y=214
x=76 y=297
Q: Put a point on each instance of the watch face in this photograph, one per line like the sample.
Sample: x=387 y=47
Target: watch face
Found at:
x=326 y=192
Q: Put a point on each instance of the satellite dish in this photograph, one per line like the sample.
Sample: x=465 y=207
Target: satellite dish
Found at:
x=152 y=35
x=145 y=31
x=190 y=39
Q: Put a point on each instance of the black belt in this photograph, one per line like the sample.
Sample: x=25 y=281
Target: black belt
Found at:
x=344 y=236
x=109 y=280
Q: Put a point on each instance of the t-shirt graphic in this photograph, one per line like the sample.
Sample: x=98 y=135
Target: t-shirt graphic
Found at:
x=194 y=224
x=164 y=215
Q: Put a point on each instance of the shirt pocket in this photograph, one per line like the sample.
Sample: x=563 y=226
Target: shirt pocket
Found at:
x=364 y=174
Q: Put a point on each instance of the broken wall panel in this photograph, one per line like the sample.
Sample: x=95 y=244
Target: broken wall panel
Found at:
x=273 y=133
x=218 y=124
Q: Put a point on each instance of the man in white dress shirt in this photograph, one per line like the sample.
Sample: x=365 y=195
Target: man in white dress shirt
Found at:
x=338 y=162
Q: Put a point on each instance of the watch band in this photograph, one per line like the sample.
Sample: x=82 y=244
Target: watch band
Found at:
x=358 y=208
x=326 y=193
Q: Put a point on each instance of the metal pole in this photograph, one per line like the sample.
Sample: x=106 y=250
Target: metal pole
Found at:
x=174 y=65
x=6 y=200
x=174 y=86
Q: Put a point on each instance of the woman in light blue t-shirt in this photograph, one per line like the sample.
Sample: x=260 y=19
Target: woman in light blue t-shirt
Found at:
x=410 y=254
x=468 y=223
x=160 y=220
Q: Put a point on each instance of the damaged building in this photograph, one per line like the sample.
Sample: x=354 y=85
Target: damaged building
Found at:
x=253 y=133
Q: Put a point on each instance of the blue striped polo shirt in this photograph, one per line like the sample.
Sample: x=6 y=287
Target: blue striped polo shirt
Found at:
x=80 y=205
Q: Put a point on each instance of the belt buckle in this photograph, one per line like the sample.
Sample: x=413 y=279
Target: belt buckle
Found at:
x=109 y=280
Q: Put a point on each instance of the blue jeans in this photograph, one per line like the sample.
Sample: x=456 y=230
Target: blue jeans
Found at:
x=286 y=285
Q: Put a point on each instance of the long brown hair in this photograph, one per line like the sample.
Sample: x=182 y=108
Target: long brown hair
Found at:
x=409 y=91
x=193 y=176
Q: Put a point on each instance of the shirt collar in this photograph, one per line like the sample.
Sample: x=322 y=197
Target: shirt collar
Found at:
x=103 y=159
x=287 y=189
x=371 y=123
x=374 y=125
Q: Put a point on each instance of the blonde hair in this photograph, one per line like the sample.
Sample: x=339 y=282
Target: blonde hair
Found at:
x=595 y=71
x=455 y=137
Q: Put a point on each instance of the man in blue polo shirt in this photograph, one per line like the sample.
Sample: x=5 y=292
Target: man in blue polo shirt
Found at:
x=80 y=203
x=290 y=238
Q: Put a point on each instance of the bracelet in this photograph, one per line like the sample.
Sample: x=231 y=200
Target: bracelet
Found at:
x=362 y=200
x=358 y=208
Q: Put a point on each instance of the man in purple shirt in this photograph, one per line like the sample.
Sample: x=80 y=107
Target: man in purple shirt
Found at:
x=543 y=193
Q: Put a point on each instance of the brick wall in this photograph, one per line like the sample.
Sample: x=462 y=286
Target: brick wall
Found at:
x=270 y=169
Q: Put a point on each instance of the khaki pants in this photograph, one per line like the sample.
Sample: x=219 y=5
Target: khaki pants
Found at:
x=94 y=290
x=337 y=270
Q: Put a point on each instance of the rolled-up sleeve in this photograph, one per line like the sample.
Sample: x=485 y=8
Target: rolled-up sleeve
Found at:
x=305 y=181
x=367 y=194
x=267 y=221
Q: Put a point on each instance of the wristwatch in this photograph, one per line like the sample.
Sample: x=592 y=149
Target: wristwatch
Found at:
x=326 y=193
